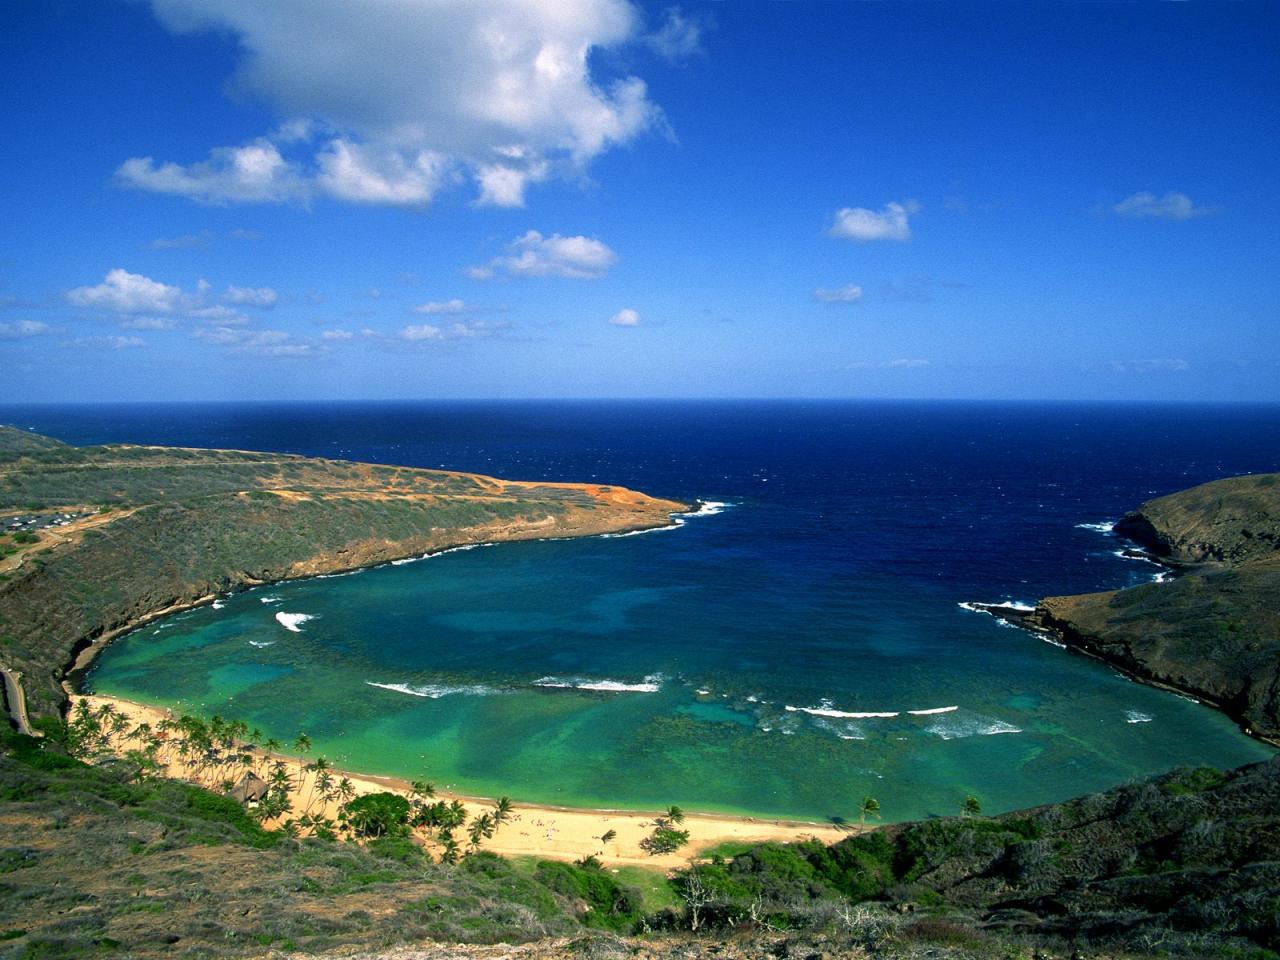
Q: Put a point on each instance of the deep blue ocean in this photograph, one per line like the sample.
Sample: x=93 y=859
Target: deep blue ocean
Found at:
x=726 y=664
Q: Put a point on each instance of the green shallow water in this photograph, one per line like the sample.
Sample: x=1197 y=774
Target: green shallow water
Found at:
x=710 y=671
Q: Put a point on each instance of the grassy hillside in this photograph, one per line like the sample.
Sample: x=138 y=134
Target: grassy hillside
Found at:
x=1214 y=631
x=1234 y=520
x=171 y=526
x=103 y=860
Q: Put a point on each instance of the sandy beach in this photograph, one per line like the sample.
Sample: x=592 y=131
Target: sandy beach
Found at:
x=558 y=833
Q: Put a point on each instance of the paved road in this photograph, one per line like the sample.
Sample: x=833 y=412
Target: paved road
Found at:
x=16 y=698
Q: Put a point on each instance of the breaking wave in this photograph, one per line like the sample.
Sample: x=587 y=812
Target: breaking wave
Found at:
x=434 y=691
x=293 y=621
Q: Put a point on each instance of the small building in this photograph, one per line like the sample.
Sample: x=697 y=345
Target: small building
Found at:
x=250 y=791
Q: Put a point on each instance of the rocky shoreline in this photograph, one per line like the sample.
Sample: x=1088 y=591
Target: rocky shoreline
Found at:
x=1210 y=628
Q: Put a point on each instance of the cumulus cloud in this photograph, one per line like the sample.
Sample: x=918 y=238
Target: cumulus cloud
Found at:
x=1153 y=365
x=379 y=175
x=22 y=328
x=219 y=314
x=256 y=171
x=533 y=255
x=442 y=306
x=1172 y=206
x=428 y=332
x=861 y=224
x=626 y=317
x=251 y=296
x=849 y=293
x=126 y=292
x=388 y=109
x=147 y=304
x=679 y=36
x=262 y=343
x=336 y=335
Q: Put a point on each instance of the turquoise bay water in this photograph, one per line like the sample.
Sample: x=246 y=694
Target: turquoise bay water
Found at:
x=485 y=658
x=740 y=661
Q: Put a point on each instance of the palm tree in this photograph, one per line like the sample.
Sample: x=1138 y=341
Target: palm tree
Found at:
x=448 y=847
x=972 y=807
x=870 y=807
x=302 y=743
x=502 y=810
x=481 y=828
x=675 y=814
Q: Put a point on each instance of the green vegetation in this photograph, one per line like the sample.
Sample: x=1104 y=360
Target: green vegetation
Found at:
x=378 y=815
x=203 y=522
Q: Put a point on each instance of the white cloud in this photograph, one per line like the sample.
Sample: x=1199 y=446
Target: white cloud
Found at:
x=442 y=306
x=679 y=36
x=336 y=335
x=849 y=293
x=1172 y=206
x=1154 y=365
x=262 y=343
x=533 y=255
x=426 y=332
x=22 y=328
x=255 y=171
x=859 y=223
x=626 y=317
x=127 y=292
x=401 y=97
x=375 y=174
x=219 y=314
x=251 y=296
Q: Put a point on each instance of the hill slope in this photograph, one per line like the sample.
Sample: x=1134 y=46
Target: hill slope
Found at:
x=171 y=527
x=1213 y=632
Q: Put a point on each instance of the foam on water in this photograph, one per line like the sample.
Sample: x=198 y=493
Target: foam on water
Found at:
x=844 y=729
x=217 y=605
x=708 y=508
x=972 y=725
x=932 y=710
x=440 y=553
x=434 y=691
x=825 y=708
x=1107 y=527
x=271 y=599
x=293 y=621
x=651 y=684
x=1137 y=716
x=261 y=643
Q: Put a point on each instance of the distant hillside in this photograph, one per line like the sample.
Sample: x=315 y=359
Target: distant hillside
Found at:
x=171 y=526
x=15 y=443
x=1235 y=520
x=1213 y=632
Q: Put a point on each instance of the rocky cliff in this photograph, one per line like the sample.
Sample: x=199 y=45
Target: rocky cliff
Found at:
x=1214 y=631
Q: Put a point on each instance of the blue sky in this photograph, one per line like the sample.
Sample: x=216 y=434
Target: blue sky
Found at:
x=211 y=199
